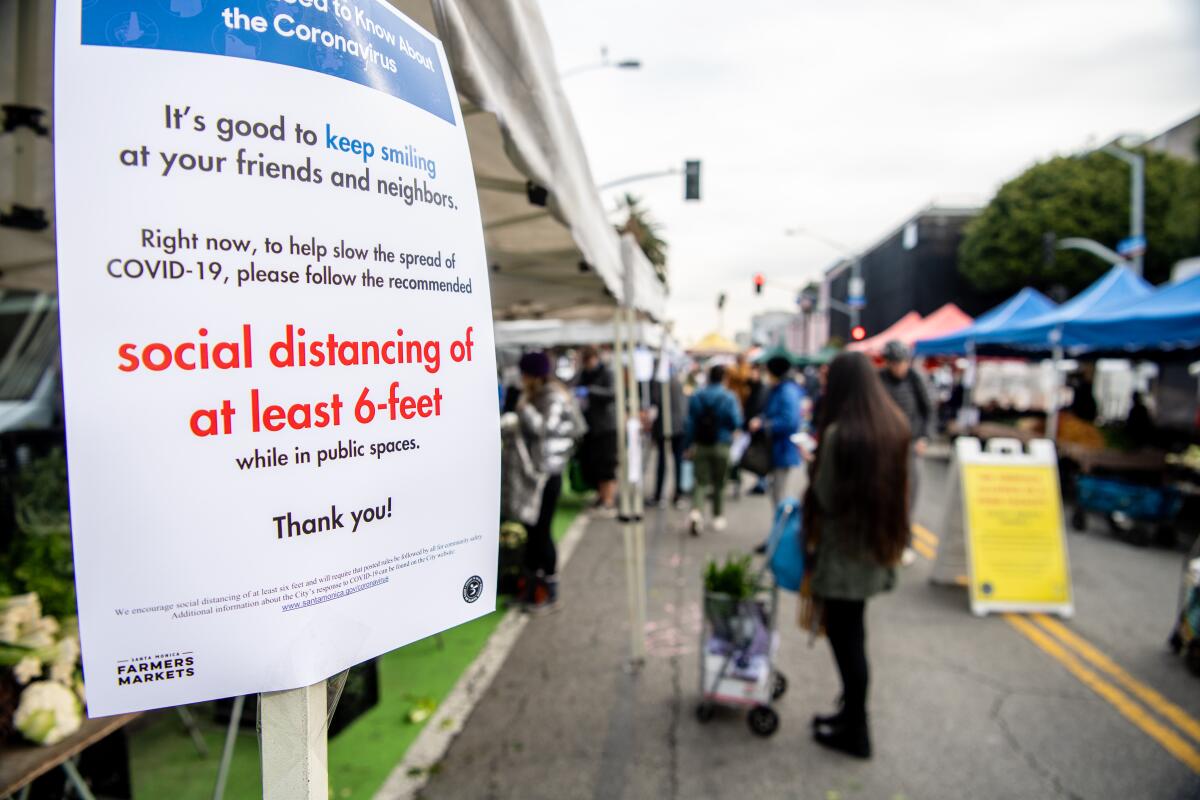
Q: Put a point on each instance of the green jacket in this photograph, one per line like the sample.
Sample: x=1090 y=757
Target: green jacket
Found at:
x=843 y=571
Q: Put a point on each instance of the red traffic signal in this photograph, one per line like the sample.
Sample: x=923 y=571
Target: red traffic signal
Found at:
x=759 y=280
x=858 y=333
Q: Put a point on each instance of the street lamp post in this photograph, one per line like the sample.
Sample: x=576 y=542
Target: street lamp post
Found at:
x=1137 y=199
x=604 y=63
x=856 y=292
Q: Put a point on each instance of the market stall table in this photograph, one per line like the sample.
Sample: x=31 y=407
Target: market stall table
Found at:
x=22 y=765
x=1090 y=459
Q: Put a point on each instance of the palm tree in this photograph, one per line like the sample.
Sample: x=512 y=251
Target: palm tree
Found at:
x=646 y=231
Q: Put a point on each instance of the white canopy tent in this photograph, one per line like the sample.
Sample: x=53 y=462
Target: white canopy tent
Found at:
x=562 y=258
x=543 y=333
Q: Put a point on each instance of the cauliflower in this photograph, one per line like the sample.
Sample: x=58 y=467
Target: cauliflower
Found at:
x=27 y=669
x=16 y=613
x=62 y=669
x=24 y=609
x=48 y=713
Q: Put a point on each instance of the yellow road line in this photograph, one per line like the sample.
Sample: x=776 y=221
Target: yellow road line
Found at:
x=1173 y=713
x=924 y=549
x=925 y=535
x=1172 y=742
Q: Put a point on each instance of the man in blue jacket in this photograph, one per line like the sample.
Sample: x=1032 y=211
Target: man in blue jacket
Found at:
x=713 y=416
x=782 y=418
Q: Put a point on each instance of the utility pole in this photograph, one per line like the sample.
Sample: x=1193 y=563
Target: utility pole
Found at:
x=1137 y=201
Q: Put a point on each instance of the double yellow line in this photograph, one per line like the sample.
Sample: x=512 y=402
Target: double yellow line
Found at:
x=1101 y=674
x=1072 y=651
x=924 y=542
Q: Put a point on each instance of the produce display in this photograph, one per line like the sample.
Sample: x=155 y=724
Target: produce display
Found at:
x=39 y=663
x=41 y=688
x=1189 y=459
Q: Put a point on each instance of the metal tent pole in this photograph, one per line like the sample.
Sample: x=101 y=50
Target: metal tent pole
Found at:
x=637 y=491
x=624 y=505
x=1052 y=415
x=231 y=732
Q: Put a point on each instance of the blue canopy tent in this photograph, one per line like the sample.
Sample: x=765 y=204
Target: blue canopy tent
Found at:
x=1168 y=319
x=1112 y=292
x=1022 y=307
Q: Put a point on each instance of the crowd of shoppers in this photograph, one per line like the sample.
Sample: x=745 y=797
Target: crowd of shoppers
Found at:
x=844 y=438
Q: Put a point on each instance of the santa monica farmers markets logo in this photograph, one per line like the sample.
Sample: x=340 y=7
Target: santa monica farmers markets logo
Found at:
x=156 y=669
x=473 y=588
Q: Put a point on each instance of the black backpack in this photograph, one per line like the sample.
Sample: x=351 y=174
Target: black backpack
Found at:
x=707 y=427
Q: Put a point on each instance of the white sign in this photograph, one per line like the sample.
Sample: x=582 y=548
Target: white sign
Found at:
x=277 y=344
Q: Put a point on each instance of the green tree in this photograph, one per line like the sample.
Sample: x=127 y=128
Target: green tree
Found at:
x=646 y=231
x=1084 y=196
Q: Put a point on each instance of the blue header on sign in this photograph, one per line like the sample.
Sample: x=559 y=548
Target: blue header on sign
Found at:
x=363 y=41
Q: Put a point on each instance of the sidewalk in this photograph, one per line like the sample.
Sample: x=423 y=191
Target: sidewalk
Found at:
x=961 y=707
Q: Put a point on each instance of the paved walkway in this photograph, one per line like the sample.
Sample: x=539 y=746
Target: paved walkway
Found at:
x=961 y=707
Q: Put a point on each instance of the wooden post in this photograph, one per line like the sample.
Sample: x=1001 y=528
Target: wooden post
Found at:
x=295 y=752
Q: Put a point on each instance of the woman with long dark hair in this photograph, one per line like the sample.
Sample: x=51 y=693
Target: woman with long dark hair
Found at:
x=856 y=524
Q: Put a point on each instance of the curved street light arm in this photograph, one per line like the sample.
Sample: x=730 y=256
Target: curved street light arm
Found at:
x=641 y=176
x=1093 y=247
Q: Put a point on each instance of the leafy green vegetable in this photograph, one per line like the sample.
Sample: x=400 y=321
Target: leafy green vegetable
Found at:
x=40 y=559
x=733 y=577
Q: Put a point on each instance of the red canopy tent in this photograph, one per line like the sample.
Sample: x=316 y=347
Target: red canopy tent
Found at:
x=946 y=320
x=897 y=330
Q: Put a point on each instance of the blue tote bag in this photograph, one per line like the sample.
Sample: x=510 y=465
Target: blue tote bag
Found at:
x=785 y=549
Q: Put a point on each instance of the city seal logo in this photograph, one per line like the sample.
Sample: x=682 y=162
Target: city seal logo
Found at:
x=473 y=589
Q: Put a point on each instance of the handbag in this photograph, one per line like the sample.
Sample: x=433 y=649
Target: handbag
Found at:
x=757 y=458
x=786 y=546
x=687 y=476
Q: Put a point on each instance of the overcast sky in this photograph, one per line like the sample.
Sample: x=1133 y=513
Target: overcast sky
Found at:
x=846 y=118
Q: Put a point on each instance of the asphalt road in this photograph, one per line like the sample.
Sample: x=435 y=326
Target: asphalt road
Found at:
x=961 y=707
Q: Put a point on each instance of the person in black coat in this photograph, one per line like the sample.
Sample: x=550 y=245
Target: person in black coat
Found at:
x=598 y=450
x=678 y=414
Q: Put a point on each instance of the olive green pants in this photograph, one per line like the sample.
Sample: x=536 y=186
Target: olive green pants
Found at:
x=712 y=470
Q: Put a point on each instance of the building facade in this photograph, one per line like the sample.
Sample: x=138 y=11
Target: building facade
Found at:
x=1181 y=141
x=912 y=268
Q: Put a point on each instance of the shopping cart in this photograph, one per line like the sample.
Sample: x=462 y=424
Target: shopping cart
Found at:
x=1185 y=638
x=739 y=639
x=1135 y=511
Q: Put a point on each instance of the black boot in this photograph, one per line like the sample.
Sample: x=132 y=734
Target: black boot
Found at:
x=853 y=739
x=829 y=720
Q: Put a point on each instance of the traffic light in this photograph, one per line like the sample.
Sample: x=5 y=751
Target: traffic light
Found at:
x=758 y=282
x=858 y=333
x=691 y=180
